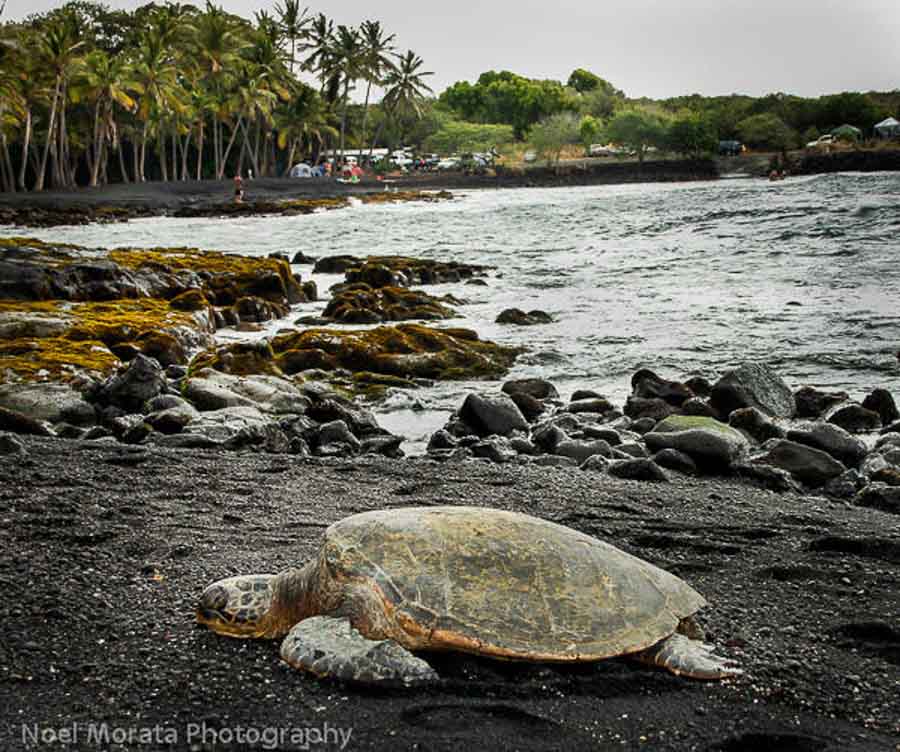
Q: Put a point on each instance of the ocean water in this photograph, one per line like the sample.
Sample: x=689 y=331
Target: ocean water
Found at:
x=689 y=278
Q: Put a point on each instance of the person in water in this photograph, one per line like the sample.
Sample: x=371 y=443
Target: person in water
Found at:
x=238 y=188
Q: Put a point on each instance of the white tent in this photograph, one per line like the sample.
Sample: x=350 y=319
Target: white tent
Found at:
x=888 y=128
x=301 y=170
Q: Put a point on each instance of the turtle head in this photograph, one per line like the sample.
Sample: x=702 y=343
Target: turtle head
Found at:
x=238 y=606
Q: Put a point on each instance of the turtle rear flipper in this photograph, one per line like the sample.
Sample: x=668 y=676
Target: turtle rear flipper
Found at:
x=683 y=656
x=326 y=646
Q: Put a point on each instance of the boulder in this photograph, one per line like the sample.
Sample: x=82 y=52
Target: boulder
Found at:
x=539 y=389
x=767 y=476
x=811 y=402
x=141 y=380
x=637 y=408
x=672 y=459
x=520 y=318
x=832 y=439
x=496 y=449
x=647 y=385
x=807 y=464
x=644 y=425
x=753 y=385
x=632 y=449
x=441 y=439
x=226 y=423
x=596 y=463
x=879 y=496
x=48 y=402
x=337 y=432
x=853 y=417
x=548 y=436
x=756 y=425
x=699 y=386
x=492 y=414
x=882 y=402
x=16 y=422
x=553 y=460
x=594 y=405
x=580 y=450
x=172 y=420
x=9 y=444
x=712 y=445
x=531 y=408
x=610 y=435
x=699 y=406
x=637 y=469
x=846 y=485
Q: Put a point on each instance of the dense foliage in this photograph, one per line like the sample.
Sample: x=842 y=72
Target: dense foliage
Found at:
x=90 y=95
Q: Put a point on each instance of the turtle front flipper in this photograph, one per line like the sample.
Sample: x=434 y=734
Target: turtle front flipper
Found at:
x=686 y=657
x=330 y=647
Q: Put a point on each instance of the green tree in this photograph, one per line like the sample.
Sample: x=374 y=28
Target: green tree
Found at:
x=589 y=128
x=692 y=134
x=344 y=61
x=552 y=134
x=767 y=131
x=406 y=88
x=293 y=22
x=638 y=129
x=376 y=61
x=583 y=81
x=461 y=136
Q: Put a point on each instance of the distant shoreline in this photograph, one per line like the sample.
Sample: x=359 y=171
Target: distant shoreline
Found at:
x=123 y=201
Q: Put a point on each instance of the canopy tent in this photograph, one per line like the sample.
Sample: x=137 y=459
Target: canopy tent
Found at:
x=888 y=128
x=848 y=132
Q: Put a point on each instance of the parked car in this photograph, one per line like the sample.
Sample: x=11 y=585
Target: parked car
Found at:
x=530 y=156
x=821 y=141
x=450 y=163
x=730 y=148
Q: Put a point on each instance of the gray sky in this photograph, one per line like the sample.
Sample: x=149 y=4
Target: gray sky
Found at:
x=654 y=48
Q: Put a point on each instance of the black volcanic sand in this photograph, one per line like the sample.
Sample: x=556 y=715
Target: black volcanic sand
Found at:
x=108 y=547
x=160 y=197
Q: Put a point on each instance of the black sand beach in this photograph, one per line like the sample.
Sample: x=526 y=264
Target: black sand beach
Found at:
x=108 y=547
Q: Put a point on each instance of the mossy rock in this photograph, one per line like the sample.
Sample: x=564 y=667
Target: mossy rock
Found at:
x=407 y=351
x=361 y=304
x=98 y=337
x=191 y=300
x=685 y=422
x=239 y=359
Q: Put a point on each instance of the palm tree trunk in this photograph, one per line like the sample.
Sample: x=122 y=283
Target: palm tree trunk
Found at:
x=344 y=116
x=290 y=158
x=365 y=113
x=237 y=127
x=144 y=150
x=184 y=155
x=95 y=166
x=6 y=168
x=39 y=182
x=161 y=146
x=176 y=142
x=200 y=152
x=27 y=143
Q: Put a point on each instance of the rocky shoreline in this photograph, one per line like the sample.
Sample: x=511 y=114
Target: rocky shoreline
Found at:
x=118 y=407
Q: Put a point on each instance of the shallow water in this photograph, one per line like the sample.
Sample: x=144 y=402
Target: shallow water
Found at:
x=680 y=278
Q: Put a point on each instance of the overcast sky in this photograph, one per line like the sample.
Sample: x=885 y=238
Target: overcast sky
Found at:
x=654 y=48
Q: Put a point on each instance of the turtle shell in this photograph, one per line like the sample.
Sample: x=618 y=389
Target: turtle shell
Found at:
x=506 y=584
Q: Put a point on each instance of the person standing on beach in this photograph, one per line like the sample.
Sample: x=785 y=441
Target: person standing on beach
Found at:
x=238 y=188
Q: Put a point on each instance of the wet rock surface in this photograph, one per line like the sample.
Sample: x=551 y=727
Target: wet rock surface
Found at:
x=802 y=593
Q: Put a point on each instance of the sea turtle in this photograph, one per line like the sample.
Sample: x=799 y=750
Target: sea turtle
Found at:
x=478 y=580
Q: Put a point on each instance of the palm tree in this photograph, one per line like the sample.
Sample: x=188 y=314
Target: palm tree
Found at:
x=156 y=79
x=405 y=88
x=109 y=81
x=318 y=39
x=344 y=61
x=217 y=47
x=57 y=49
x=376 y=61
x=304 y=118
x=292 y=22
